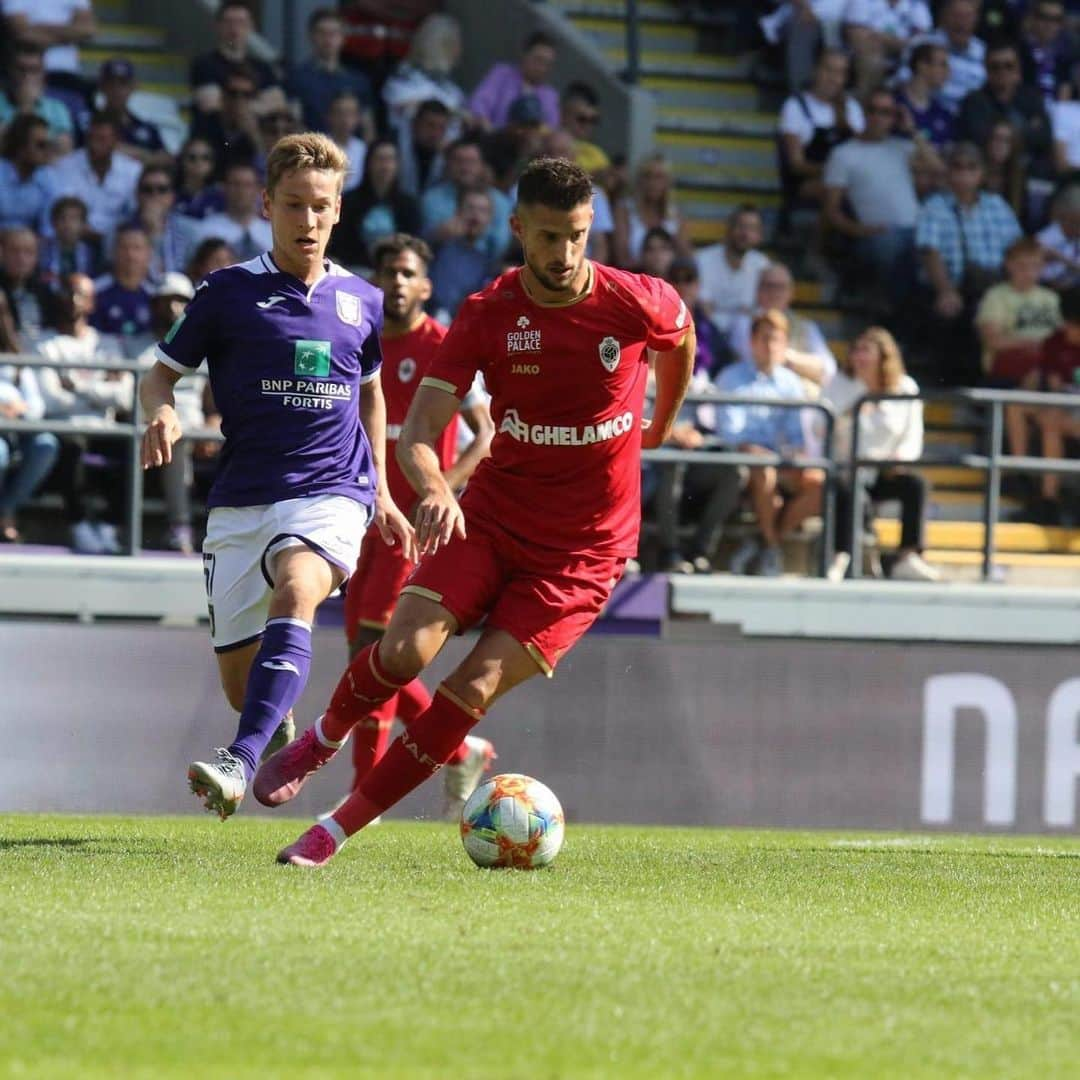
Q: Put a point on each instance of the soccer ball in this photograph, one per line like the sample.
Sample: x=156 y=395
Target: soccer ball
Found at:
x=512 y=820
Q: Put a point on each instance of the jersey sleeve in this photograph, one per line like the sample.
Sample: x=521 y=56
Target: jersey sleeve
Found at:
x=190 y=338
x=462 y=354
x=667 y=317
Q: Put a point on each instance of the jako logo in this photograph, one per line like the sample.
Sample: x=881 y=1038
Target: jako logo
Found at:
x=548 y=435
x=945 y=696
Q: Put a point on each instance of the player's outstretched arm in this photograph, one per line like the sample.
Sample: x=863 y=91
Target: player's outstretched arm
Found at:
x=159 y=408
x=673 y=372
x=392 y=524
x=438 y=515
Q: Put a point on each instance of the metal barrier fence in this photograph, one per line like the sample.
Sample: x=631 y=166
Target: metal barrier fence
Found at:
x=993 y=462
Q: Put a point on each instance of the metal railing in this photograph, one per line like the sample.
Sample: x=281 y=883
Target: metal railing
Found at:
x=827 y=462
x=993 y=462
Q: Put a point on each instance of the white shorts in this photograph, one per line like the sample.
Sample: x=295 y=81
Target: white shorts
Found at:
x=242 y=542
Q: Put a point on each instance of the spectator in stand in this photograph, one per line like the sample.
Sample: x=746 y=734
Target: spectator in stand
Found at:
x=138 y=138
x=440 y=208
x=657 y=253
x=957 y=20
x=241 y=224
x=505 y=83
x=24 y=94
x=233 y=129
x=812 y=124
x=464 y=263
x=100 y=175
x=92 y=397
x=891 y=431
x=730 y=271
x=962 y=235
x=652 y=204
x=233 y=27
x=1014 y=318
x=343 y=124
x=424 y=75
x=1048 y=50
x=759 y=429
x=69 y=249
x=27 y=183
x=167 y=306
x=711 y=490
x=579 y=113
x=1004 y=97
x=1060 y=241
x=170 y=234
x=210 y=254
x=57 y=26
x=122 y=306
x=374 y=209
x=879 y=32
x=26 y=458
x=29 y=300
x=803 y=27
x=922 y=112
x=1005 y=173
x=1060 y=369
x=870 y=198
x=197 y=195
x=320 y=79
x=420 y=147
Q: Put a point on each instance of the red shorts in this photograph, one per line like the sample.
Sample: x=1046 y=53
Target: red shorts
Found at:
x=374 y=587
x=544 y=599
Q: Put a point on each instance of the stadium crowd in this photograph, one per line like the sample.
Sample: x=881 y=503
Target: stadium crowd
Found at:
x=932 y=148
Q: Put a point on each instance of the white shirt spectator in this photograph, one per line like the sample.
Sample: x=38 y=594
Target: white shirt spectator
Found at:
x=109 y=201
x=877 y=179
x=801 y=122
x=247 y=241
x=356 y=152
x=898 y=18
x=967 y=68
x=54 y=13
x=1059 y=271
x=1065 y=118
x=94 y=396
x=725 y=292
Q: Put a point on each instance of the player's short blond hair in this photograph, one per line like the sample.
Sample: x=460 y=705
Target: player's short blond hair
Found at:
x=306 y=150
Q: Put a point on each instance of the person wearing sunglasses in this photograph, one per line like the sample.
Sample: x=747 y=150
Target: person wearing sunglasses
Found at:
x=1004 y=97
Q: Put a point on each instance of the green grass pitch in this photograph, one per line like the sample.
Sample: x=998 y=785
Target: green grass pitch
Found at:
x=176 y=947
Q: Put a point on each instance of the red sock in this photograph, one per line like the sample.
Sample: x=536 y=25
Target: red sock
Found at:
x=370 y=738
x=411 y=759
x=364 y=686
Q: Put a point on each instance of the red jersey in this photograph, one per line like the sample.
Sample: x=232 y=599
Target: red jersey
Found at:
x=406 y=360
x=568 y=389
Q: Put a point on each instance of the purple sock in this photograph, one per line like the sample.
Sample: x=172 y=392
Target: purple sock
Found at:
x=278 y=676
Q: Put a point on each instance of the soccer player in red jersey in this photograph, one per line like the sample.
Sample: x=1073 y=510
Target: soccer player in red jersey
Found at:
x=545 y=527
x=410 y=339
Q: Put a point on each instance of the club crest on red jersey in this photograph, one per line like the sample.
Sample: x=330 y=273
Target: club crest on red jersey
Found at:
x=348 y=308
x=610 y=352
x=407 y=369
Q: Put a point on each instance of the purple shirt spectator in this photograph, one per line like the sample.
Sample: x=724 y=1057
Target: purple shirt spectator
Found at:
x=286 y=364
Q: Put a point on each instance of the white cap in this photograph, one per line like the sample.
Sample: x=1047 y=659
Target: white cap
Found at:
x=175 y=284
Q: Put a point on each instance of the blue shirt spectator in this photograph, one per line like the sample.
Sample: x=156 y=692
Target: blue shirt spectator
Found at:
x=758 y=425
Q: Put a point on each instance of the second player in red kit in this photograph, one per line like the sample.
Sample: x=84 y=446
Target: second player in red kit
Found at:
x=545 y=526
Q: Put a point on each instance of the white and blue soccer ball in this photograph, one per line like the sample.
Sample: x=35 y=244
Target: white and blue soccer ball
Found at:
x=512 y=820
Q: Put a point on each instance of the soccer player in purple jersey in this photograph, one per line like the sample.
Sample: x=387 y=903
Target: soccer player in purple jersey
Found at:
x=291 y=342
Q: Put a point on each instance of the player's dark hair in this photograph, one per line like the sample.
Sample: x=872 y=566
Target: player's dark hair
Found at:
x=1070 y=304
x=389 y=247
x=538 y=37
x=555 y=183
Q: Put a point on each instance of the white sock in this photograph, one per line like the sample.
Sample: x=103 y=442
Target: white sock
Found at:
x=329 y=743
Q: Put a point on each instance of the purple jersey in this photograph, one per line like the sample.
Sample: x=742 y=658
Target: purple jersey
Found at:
x=286 y=363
